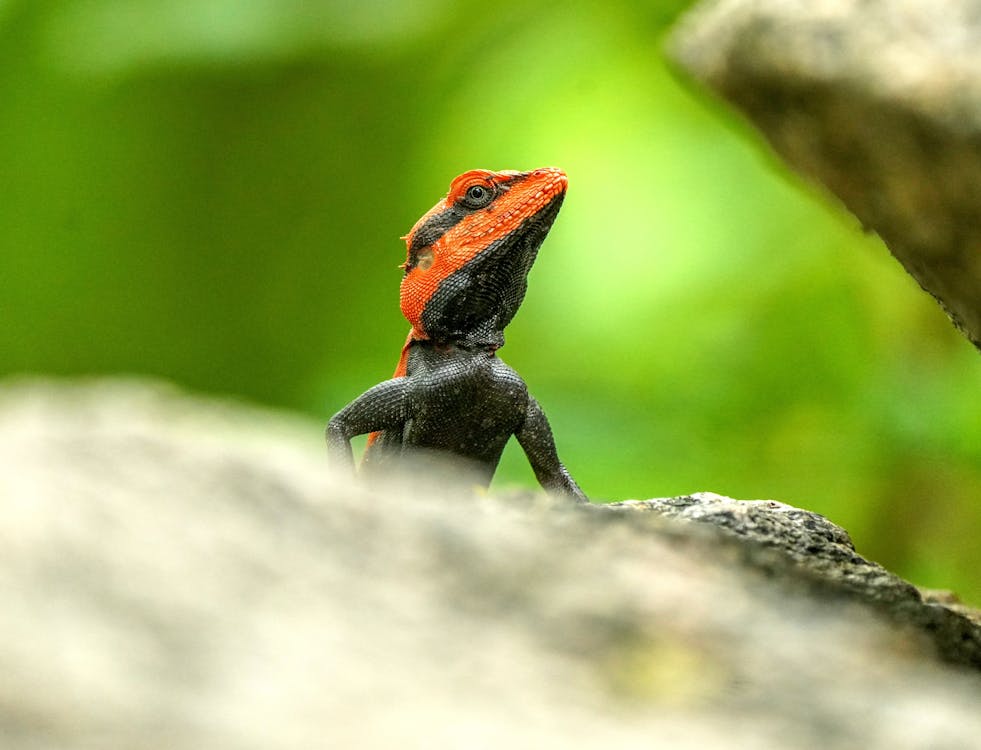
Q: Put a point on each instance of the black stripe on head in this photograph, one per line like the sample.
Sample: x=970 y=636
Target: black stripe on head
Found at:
x=435 y=227
x=439 y=224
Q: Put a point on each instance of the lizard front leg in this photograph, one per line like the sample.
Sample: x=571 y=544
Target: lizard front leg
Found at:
x=535 y=437
x=384 y=407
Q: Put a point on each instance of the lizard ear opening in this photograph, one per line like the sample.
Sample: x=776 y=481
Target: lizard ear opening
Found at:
x=424 y=258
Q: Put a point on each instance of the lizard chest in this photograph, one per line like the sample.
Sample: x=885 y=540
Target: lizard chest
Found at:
x=464 y=401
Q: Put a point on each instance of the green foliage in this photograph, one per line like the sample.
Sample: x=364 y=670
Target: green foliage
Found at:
x=213 y=190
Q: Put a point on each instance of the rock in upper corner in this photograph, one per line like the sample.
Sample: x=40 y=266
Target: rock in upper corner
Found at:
x=880 y=100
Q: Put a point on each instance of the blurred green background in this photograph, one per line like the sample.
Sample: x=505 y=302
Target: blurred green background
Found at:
x=212 y=191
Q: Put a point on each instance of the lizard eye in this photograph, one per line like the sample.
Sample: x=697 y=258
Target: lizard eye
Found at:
x=477 y=196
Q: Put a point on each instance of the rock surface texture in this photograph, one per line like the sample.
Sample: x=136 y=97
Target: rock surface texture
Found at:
x=787 y=541
x=182 y=573
x=880 y=100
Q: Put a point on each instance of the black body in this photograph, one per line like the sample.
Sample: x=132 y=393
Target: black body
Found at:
x=454 y=411
x=457 y=404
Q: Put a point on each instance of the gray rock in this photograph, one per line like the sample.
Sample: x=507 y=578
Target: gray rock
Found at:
x=879 y=100
x=183 y=573
x=815 y=551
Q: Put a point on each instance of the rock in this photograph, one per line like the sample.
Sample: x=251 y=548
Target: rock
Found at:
x=813 y=550
x=183 y=573
x=879 y=100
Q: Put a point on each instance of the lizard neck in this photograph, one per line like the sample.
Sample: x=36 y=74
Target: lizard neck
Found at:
x=479 y=340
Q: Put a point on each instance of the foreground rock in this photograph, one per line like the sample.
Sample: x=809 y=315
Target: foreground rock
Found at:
x=180 y=573
x=880 y=100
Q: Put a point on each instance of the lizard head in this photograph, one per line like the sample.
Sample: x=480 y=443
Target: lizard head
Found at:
x=469 y=256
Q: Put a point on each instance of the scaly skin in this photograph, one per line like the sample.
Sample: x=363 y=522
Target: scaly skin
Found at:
x=451 y=398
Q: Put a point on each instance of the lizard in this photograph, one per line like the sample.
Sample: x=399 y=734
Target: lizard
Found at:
x=451 y=396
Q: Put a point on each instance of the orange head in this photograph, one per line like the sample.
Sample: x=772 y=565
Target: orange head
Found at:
x=469 y=256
